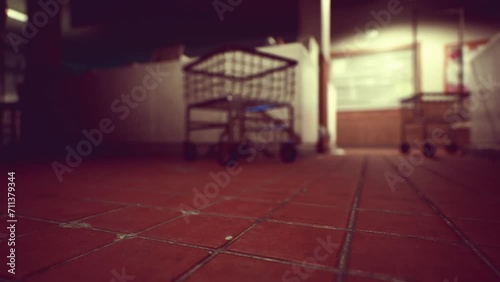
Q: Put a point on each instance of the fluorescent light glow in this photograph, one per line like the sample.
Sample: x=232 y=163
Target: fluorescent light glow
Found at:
x=16 y=15
x=271 y=40
x=372 y=33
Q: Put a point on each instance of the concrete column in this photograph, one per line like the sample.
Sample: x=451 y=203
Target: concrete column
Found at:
x=315 y=21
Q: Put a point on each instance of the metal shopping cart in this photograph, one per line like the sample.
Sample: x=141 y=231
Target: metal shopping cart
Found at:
x=249 y=87
x=424 y=111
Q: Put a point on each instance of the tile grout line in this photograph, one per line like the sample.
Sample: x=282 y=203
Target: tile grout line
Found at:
x=127 y=205
x=215 y=252
x=377 y=276
x=55 y=265
x=313 y=225
x=175 y=243
x=358 y=273
x=257 y=185
x=282 y=261
x=346 y=249
x=207 y=259
x=265 y=217
x=388 y=234
x=398 y=212
x=223 y=248
x=97 y=214
x=116 y=233
x=135 y=235
x=448 y=221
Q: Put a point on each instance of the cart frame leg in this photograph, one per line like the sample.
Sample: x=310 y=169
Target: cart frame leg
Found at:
x=188 y=124
x=291 y=123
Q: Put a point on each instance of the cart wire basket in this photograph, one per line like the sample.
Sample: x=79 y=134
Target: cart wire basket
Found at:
x=248 y=87
x=425 y=110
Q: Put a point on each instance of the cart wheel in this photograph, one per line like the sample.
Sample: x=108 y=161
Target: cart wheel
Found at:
x=226 y=153
x=429 y=149
x=452 y=148
x=288 y=153
x=189 y=151
x=404 y=147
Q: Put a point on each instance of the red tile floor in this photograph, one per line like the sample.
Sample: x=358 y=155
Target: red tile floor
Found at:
x=366 y=216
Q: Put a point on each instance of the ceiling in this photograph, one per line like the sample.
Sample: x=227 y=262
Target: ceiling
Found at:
x=195 y=21
x=132 y=26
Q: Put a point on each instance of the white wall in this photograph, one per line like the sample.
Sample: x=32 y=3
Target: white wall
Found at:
x=485 y=105
x=158 y=118
x=161 y=116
